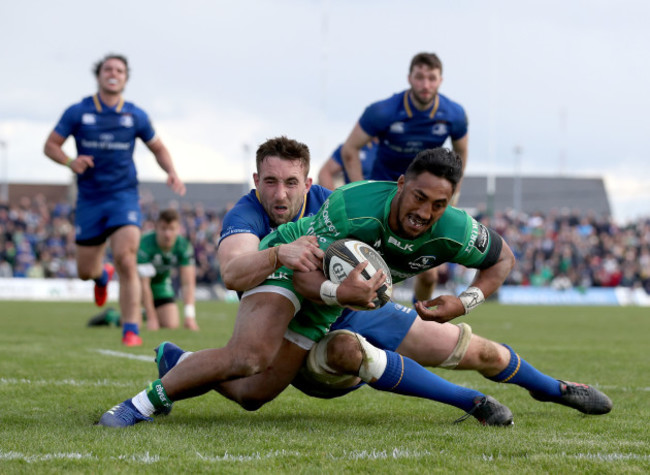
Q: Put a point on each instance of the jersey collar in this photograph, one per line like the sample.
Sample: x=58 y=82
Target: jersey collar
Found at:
x=409 y=111
x=98 y=104
x=301 y=214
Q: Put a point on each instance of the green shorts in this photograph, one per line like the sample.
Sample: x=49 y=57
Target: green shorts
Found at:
x=163 y=290
x=310 y=320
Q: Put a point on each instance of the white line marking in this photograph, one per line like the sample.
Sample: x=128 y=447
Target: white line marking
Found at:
x=119 y=354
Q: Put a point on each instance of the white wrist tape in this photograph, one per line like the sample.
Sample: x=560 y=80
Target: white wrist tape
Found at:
x=471 y=298
x=328 y=293
x=189 y=311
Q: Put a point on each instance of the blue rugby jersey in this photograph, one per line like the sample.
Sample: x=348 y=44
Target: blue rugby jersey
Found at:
x=367 y=156
x=249 y=216
x=403 y=130
x=108 y=135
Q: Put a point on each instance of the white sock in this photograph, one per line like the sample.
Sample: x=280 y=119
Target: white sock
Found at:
x=143 y=404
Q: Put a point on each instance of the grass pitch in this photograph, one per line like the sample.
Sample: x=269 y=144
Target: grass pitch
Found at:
x=57 y=377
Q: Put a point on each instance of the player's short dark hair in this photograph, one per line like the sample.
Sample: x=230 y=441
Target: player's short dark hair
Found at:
x=284 y=148
x=428 y=59
x=97 y=67
x=169 y=216
x=441 y=162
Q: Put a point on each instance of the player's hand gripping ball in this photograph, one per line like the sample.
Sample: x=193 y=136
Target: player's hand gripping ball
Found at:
x=344 y=255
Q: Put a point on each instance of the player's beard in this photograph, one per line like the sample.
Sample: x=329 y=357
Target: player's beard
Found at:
x=419 y=100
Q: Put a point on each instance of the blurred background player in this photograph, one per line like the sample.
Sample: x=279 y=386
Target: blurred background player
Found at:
x=161 y=251
x=406 y=123
x=332 y=174
x=105 y=128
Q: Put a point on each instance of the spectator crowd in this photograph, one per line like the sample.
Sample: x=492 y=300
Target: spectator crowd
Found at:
x=561 y=249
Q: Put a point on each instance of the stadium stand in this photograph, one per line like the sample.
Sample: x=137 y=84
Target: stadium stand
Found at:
x=556 y=246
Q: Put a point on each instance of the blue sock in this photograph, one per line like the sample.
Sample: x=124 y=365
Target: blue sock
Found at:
x=405 y=376
x=103 y=280
x=522 y=374
x=130 y=327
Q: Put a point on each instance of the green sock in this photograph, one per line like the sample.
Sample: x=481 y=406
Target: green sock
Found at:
x=157 y=395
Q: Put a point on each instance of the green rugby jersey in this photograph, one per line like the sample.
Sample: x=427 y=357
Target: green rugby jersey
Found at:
x=360 y=211
x=181 y=254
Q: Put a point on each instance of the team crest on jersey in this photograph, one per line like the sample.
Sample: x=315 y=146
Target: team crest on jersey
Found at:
x=132 y=216
x=422 y=262
x=126 y=120
x=88 y=119
x=397 y=127
x=440 y=128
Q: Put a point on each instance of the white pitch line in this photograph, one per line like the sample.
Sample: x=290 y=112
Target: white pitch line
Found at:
x=130 y=356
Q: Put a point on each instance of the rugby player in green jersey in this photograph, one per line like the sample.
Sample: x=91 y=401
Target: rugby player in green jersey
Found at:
x=161 y=251
x=280 y=320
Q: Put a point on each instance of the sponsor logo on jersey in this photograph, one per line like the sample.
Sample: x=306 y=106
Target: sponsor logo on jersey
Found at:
x=478 y=239
x=132 y=216
x=482 y=239
x=397 y=127
x=423 y=262
x=126 y=120
x=440 y=128
x=400 y=245
x=88 y=119
x=106 y=137
x=327 y=221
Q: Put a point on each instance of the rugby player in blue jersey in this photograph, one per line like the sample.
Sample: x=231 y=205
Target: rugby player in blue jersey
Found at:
x=283 y=193
x=406 y=123
x=105 y=128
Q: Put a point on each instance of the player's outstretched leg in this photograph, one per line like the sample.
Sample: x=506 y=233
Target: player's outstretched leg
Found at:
x=342 y=352
x=101 y=284
x=404 y=376
x=584 y=398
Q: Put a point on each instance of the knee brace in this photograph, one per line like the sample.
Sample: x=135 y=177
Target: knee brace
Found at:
x=373 y=362
x=460 y=349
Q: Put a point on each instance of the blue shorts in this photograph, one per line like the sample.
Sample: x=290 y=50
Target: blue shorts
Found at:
x=385 y=327
x=96 y=219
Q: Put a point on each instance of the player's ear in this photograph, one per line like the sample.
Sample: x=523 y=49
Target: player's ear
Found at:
x=308 y=182
x=256 y=180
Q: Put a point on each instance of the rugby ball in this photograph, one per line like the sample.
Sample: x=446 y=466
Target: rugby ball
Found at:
x=344 y=255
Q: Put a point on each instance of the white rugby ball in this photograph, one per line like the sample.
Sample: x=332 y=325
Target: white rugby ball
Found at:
x=344 y=255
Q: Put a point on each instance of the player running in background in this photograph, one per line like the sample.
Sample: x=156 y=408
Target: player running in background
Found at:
x=265 y=312
x=105 y=128
x=406 y=123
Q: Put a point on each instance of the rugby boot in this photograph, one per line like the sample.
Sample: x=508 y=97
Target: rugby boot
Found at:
x=123 y=415
x=489 y=412
x=101 y=291
x=585 y=399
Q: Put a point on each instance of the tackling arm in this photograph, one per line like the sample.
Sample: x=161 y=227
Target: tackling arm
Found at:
x=243 y=266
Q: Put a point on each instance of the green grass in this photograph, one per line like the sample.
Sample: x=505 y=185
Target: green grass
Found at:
x=54 y=384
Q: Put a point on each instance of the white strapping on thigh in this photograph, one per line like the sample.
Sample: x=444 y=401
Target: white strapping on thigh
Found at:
x=275 y=290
